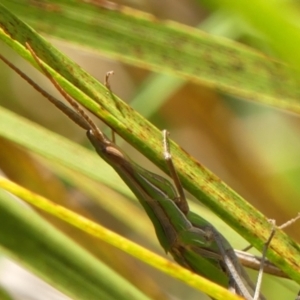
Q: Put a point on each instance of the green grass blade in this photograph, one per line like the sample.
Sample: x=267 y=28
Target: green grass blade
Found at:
x=94 y=229
x=164 y=46
x=70 y=155
x=31 y=241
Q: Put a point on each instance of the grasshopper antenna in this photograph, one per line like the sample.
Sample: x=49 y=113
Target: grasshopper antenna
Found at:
x=91 y=125
x=73 y=115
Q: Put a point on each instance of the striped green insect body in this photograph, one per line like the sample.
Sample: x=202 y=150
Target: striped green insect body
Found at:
x=193 y=242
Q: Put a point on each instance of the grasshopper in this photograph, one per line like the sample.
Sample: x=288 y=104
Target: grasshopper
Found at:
x=192 y=241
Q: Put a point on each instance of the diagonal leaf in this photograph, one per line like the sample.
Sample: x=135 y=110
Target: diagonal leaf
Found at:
x=168 y=47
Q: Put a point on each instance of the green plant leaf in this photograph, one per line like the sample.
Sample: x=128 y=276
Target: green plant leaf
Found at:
x=164 y=46
x=94 y=229
x=31 y=241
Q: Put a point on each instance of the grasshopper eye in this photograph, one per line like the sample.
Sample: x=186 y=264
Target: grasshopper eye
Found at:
x=114 y=152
